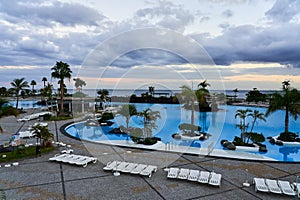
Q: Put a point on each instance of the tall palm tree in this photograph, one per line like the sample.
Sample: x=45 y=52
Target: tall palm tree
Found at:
x=256 y=115
x=288 y=100
x=19 y=85
x=61 y=71
x=189 y=97
x=32 y=83
x=44 y=79
x=128 y=110
x=243 y=114
x=149 y=120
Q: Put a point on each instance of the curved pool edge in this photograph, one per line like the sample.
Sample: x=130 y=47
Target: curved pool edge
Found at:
x=159 y=146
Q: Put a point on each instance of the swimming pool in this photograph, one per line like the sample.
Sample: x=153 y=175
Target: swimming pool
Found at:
x=221 y=125
x=25 y=104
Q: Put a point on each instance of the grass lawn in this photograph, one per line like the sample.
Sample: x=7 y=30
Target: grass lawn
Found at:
x=24 y=152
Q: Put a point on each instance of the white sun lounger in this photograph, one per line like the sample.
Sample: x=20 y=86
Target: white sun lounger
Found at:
x=148 y=170
x=121 y=166
x=260 y=185
x=204 y=177
x=58 y=156
x=85 y=160
x=183 y=173
x=286 y=188
x=129 y=167
x=273 y=186
x=296 y=187
x=138 y=169
x=194 y=175
x=111 y=165
x=173 y=172
x=215 y=179
x=72 y=159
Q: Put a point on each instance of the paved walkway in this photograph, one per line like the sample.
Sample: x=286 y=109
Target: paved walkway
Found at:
x=38 y=178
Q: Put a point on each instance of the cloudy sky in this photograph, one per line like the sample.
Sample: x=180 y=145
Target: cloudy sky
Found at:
x=133 y=44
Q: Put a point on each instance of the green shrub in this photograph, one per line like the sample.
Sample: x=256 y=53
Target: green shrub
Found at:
x=257 y=137
x=107 y=116
x=238 y=141
x=288 y=136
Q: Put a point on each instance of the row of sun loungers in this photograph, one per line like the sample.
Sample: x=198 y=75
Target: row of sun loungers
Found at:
x=276 y=186
x=132 y=168
x=210 y=178
x=74 y=159
x=33 y=116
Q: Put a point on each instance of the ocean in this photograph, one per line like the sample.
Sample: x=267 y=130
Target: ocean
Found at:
x=127 y=92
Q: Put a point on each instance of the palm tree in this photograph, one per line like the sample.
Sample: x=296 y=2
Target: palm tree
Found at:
x=61 y=71
x=203 y=84
x=19 y=85
x=103 y=95
x=235 y=91
x=47 y=90
x=256 y=115
x=42 y=133
x=202 y=93
x=288 y=100
x=32 y=83
x=189 y=97
x=44 y=79
x=243 y=114
x=127 y=111
x=79 y=83
x=149 y=120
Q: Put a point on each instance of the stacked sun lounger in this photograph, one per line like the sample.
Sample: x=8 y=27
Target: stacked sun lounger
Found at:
x=132 y=168
x=74 y=159
x=274 y=186
x=210 y=178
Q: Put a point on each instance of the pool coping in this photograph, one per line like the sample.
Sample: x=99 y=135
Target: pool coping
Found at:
x=214 y=153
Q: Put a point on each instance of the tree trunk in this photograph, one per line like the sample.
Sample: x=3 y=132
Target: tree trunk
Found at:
x=127 y=122
x=61 y=112
x=253 y=125
x=17 y=102
x=193 y=111
x=286 y=121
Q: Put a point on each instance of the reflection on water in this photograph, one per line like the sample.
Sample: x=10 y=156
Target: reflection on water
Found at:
x=286 y=151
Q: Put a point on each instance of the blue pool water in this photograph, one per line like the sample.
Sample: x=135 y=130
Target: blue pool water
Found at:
x=221 y=125
x=25 y=104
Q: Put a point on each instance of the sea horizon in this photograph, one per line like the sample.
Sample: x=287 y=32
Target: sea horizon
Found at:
x=138 y=92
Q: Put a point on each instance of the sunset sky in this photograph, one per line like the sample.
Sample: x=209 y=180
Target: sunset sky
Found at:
x=133 y=44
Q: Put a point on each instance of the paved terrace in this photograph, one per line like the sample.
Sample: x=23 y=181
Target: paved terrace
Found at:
x=38 y=178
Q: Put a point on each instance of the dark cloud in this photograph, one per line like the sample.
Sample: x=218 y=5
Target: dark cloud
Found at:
x=35 y=12
x=284 y=10
x=249 y=43
x=149 y=56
